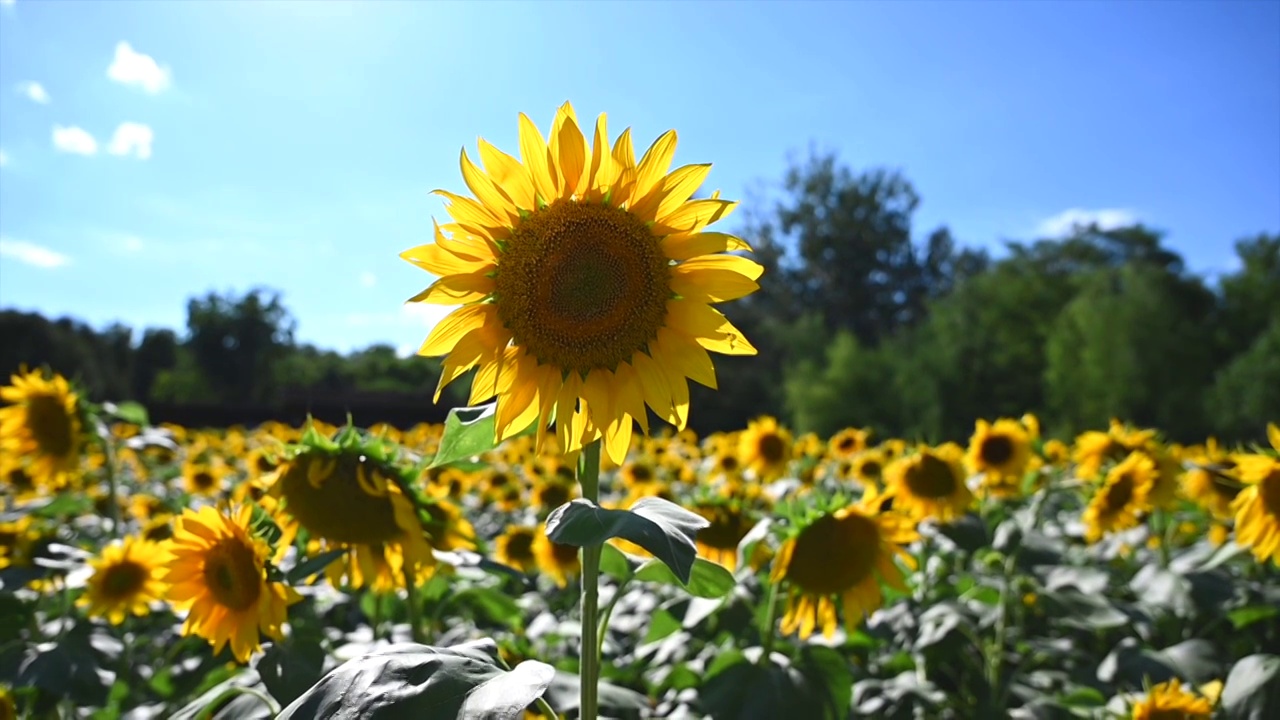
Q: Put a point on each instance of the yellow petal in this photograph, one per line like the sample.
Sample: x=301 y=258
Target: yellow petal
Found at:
x=497 y=202
x=598 y=392
x=456 y=289
x=467 y=210
x=518 y=405
x=688 y=245
x=655 y=163
x=617 y=439
x=569 y=147
x=654 y=386
x=478 y=347
x=624 y=155
x=566 y=407
x=435 y=259
x=680 y=185
x=630 y=394
x=715 y=278
x=446 y=334
x=679 y=354
x=600 y=175
x=693 y=216
x=533 y=150
x=707 y=327
x=1273 y=434
x=510 y=175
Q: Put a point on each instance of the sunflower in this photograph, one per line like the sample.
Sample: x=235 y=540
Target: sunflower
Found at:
x=346 y=497
x=1168 y=701
x=868 y=467
x=765 y=447
x=550 y=492
x=447 y=528
x=586 y=280
x=848 y=442
x=1000 y=452
x=42 y=424
x=8 y=708
x=928 y=484
x=842 y=555
x=16 y=481
x=203 y=477
x=559 y=562
x=1258 y=505
x=125 y=580
x=718 y=542
x=515 y=548
x=1210 y=482
x=1123 y=496
x=217 y=573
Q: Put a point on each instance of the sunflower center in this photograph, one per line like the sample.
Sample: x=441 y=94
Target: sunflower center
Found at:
x=996 y=450
x=726 y=530
x=339 y=508
x=203 y=480
x=870 y=469
x=1269 y=491
x=123 y=580
x=50 y=424
x=771 y=448
x=582 y=287
x=553 y=494
x=232 y=574
x=1119 y=494
x=641 y=474
x=931 y=477
x=847 y=444
x=564 y=554
x=834 y=554
x=729 y=463
x=520 y=546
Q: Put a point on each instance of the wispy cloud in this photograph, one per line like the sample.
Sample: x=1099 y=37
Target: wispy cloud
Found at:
x=74 y=140
x=368 y=279
x=1066 y=221
x=29 y=253
x=133 y=139
x=130 y=67
x=34 y=92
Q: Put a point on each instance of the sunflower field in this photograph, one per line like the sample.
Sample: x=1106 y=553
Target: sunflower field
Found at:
x=380 y=572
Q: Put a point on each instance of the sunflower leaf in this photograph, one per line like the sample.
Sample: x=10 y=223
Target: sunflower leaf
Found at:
x=313 y=565
x=706 y=580
x=130 y=412
x=468 y=432
x=663 y=528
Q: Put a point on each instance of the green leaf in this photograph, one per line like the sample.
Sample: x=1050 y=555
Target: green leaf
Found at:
x=468 y=432
x=613 y=562
x=424 y=682
x=492 y=605
x=130 y=412
x=661 y=624
x=1252 y=689
x=659 y=526
x=1082 y=610
x=1246 y=616
x=706 y=580
x=1083 y=696
x=312 y=565
x=289 y=668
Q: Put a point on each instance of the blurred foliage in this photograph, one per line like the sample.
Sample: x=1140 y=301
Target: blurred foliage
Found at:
x=861 y=320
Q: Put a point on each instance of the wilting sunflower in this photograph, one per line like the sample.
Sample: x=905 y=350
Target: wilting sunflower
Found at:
x=1169 y=701
x=928 y=484
x=559 y=562
x=42 y=424
x=345 y=494
x=1258 y=505
x=842 y=555
x=586 y=280
x=126 y=580
x=999 y=451
x=217 y=573
x=515 y=548
x=765 y=448
x=1123 y=496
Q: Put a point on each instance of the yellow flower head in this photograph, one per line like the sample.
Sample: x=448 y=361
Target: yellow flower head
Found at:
x=765 y=448
x=848 y=442
x=217 y=573
x=928 y=484
x=1257 y=507
x=1122 y=498
x=515 y=548
x=42 y=425
x=557 y=561
x=586 y=280
x=999 y=450
x=1169 y=701
x=126 y=579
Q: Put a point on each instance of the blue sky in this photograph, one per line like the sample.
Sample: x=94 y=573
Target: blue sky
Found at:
x=293 y=144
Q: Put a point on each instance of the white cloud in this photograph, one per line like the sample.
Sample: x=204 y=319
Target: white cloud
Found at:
x=1064 y=222
x=74 y=140
x=32 y=254
x=368 y=279
x=35 y=92
x=130 y=67
x=132 y=139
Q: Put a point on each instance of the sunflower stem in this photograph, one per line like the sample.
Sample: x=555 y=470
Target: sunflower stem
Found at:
x=109 y=451
x=231 y=692
x=770 y=620
x=589 y=669
x=411 y=604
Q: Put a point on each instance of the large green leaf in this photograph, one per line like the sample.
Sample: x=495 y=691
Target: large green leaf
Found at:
x=425 y=683
x=130 y=412
x=706 y=580
x=663 y=528
x=467 y=432
x=1252 y=689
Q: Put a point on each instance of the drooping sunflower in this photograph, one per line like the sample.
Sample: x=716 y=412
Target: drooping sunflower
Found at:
x=1258 y=505
x=515 y=548
x=842 y=556
x=928 y=484
x=1123 y=496
x=42 y=425
x=1000 y=452
x=126 y=580
x=557 y=561
x=345 y=494
x=765 y=448
x=586 y=281
x=1169 y=701
x=217 y=573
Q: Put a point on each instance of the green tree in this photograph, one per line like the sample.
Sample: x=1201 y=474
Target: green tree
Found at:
x=237 y=342
x=1245 y=394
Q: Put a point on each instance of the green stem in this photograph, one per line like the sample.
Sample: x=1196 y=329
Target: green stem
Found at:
x=589 y=670
x=230 y=692
x=113 y=508
x=770 y=619
x=411 y=604
x=607 y=614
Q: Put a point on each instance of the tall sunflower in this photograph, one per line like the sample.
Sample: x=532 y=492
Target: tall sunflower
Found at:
x=42 y=424
x=1122 y=498
x=928 y=484
x=841 y=556
x=1258 y=505
x=1000 y=452
x=126 y=579
x=586 y=281
x=515 y=548
x=217 y=573
x=765 y=447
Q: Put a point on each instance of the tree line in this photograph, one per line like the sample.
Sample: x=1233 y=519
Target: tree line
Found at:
x=861 y=320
